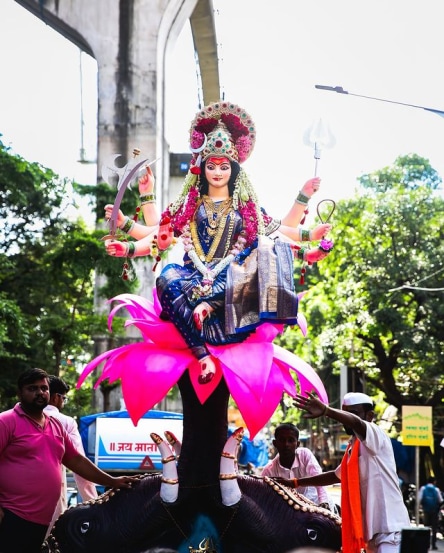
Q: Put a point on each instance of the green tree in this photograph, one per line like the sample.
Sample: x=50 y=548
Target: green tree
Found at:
x=47 y=277
x=375 y=304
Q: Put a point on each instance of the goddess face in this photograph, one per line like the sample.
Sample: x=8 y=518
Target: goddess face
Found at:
x=218 y=172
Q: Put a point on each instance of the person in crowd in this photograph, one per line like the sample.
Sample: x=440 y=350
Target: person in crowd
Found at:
x=293 y=462
x=238 y=259
x=372 y=508
x=58 y=390
x=33 y=447
x=430 y=499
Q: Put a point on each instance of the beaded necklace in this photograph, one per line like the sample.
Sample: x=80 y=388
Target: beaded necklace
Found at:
x=209 y=274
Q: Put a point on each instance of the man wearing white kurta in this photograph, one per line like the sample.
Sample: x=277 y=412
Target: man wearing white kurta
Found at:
x=382 y=509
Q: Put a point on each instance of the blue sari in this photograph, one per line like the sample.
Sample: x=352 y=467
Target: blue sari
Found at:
x=176 y=284
x=258 y=287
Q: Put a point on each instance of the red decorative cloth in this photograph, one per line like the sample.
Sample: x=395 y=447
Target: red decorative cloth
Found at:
x=351 y=511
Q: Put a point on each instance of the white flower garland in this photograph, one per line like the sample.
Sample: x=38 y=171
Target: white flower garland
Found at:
x=209 y=275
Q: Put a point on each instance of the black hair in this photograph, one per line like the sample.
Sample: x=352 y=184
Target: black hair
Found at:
x=286 y=426
x=235 y=168
x=57 y=385
x=30 y=376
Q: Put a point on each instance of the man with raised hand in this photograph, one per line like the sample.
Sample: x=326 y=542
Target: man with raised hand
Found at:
x=372 y=508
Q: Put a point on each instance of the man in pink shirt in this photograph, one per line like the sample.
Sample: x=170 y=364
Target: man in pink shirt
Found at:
x=33 y=447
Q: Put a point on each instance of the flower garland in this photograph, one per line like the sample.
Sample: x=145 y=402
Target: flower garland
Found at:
x=182 y=210
x=205 y=287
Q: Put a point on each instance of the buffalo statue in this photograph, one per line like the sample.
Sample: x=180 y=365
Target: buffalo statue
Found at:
x=200 y=503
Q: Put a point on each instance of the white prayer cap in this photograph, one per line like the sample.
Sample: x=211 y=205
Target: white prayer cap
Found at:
x=356 y=398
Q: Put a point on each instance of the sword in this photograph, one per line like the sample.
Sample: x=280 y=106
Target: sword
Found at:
x=126 y=177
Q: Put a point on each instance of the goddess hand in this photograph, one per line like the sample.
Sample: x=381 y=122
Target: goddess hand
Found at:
x=116 y=248
x=146 y=182
x=315 y=254
x=311 y=186
x=320 y=231
x=120 y=215
x=200 y=313
x=165 y=234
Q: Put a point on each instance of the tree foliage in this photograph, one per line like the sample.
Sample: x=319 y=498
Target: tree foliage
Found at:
x=375 y=305
x=47 y=277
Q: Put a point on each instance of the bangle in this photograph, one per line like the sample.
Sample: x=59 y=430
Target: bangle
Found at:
x=295 y=483
x=131 y=249
x=324 y=412
x=128 y=225
x=148 y=202
x=302 y=199
x=148 y=198
x=305 y=235
x=125 y=222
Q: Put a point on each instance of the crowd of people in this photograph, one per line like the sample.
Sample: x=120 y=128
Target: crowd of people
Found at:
x=36 y=442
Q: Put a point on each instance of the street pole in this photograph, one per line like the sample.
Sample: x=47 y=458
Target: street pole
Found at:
x=340 y=90
x=417 y=484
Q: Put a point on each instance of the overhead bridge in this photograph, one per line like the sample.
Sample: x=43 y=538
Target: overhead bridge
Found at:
x=130 y=39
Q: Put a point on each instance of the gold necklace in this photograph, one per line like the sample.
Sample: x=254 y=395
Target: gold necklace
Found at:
x=215 y=211
x=216 y=240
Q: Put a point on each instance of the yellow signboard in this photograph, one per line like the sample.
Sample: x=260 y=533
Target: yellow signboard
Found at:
x=417 y=428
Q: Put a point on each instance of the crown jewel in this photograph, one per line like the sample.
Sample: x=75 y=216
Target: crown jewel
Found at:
x=221 y=129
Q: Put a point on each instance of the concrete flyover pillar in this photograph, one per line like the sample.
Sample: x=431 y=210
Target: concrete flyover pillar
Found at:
x=129 y=40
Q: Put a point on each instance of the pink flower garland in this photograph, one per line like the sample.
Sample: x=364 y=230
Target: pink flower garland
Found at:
x=243 y=147
x=183 y=216
x=249 y=218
